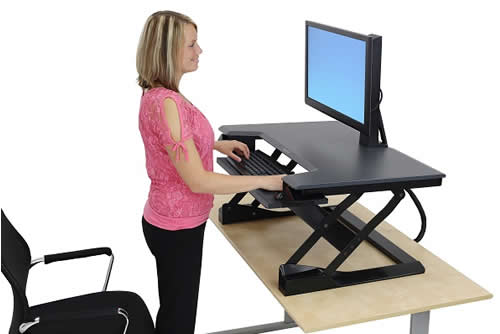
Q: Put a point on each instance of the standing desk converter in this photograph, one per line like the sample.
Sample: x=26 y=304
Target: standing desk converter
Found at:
x=361 y=259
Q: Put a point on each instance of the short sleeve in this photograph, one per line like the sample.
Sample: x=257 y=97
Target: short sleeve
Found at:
x=164 y=133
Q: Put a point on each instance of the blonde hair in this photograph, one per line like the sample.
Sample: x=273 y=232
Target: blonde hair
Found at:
x=158 y=53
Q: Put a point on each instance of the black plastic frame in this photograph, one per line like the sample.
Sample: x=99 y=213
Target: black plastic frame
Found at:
x=372 y=60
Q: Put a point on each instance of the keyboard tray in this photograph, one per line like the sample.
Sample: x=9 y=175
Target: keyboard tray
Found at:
x=266 y=198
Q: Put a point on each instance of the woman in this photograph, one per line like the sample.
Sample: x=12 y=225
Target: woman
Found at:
x=178 y=141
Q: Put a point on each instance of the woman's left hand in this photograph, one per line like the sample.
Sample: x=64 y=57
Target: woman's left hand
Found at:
x=228 y=146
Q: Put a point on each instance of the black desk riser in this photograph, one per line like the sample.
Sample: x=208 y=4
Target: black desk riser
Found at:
x=336 y=164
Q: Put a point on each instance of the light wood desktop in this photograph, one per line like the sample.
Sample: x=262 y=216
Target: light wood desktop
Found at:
x=267 y=243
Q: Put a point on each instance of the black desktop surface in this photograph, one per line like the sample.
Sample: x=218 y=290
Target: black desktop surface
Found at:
x=336 y=162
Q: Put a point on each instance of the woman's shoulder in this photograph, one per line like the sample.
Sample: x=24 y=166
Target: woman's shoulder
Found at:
x=158 y=95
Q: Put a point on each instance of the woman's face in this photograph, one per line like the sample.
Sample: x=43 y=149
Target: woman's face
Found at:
x=190 y=50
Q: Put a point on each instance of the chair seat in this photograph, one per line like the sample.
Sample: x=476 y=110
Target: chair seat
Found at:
x=139 y=317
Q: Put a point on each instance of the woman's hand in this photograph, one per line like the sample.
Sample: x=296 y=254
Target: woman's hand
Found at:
x=228 y=146
x=273 y=182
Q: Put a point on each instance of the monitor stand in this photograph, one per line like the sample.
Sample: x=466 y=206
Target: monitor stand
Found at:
x=376 y=127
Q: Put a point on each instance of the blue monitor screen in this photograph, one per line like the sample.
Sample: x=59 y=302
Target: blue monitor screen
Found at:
x=336 y=72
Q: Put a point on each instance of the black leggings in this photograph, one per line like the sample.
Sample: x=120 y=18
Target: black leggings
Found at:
x=178 y=263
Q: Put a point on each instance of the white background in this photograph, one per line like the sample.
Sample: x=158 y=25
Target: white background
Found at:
x=72 y=160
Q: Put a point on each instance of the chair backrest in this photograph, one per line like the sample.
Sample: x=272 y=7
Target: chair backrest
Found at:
x=16 y=261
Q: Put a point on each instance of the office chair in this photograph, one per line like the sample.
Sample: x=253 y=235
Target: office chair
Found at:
x=102 y=312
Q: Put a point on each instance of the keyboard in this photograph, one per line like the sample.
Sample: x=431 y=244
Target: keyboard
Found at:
x=258 y=164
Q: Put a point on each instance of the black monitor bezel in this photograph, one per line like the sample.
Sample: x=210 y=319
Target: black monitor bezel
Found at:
x=362 y=127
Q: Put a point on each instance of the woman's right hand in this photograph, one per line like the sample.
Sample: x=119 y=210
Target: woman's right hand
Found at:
x=273 y=182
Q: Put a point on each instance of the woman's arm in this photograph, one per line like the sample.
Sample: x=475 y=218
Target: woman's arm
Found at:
x=216 y=145
x=200 y=180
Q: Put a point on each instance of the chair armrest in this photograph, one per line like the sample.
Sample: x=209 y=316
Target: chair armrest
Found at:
x=70 y=316
x=77 y=254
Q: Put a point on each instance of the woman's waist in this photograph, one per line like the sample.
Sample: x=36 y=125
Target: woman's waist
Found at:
x=179 y=208
x=172 y=220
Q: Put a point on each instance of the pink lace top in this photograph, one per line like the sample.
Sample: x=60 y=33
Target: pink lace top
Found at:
x=171 y=205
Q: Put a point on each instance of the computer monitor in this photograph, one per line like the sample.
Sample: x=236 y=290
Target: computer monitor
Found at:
x=343 y=78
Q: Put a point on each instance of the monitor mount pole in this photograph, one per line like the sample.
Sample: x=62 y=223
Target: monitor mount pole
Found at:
x=370 y=137
x=375 y=131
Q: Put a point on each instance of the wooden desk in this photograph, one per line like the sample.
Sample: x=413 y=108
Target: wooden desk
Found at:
x=265 y=244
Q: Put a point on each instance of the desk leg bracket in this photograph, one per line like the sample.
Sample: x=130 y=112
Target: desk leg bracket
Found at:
x=271 y=327
x=419 y=324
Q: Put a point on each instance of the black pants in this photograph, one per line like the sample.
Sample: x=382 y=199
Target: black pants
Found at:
x=178 y=263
